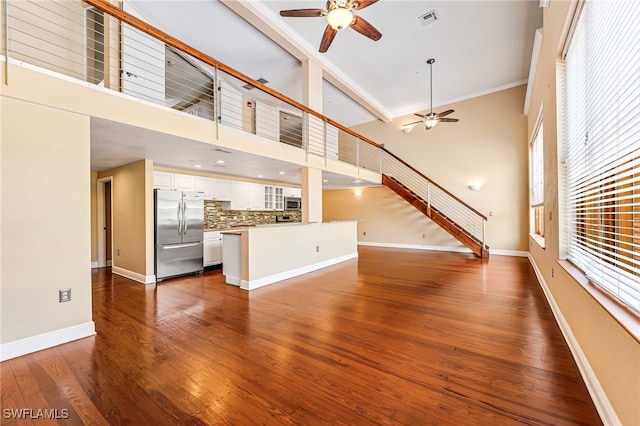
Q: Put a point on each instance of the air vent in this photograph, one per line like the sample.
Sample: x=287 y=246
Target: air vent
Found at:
x=260 y=80
x=428 y=18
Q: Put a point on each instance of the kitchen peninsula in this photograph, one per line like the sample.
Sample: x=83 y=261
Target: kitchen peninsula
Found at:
x=256 y=256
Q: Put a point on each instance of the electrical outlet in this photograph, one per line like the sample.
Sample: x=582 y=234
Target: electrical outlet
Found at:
x=118 y=252
x=424 y=236
x=490 y=213
x=364 y=234
x=64 y=295
x=317 y=249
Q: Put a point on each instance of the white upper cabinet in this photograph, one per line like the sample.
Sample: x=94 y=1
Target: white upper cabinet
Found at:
x=207 y=186
x=292 y=192
x=184 y=182
x=222 y=190
x=163 y=180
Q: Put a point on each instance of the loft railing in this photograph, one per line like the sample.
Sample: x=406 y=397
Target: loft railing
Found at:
x=97 y=42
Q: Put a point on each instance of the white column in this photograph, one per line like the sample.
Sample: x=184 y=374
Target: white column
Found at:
x=311 y=194
x=312 y=85
x=311 y=179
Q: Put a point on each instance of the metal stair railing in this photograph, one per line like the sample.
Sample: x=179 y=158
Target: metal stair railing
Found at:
x=106 y=46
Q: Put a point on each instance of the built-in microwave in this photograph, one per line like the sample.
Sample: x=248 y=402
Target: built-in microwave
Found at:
x=292 y=203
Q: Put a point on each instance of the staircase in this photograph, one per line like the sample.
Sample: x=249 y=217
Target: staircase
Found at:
x=438 y=216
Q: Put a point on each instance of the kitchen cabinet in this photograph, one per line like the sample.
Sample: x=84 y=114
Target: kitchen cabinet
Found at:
x=256 y=196
x=174 y=181
x=207 y=186
x=212 y=254
x=163 y=180
x=247 y=196
x=214 y=189
x=292 y=192
x=222 y=190
x=184 y=182
x=273 y=198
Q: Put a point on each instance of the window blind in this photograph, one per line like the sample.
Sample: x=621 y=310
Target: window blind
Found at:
x=537 y=169
x=602 y=115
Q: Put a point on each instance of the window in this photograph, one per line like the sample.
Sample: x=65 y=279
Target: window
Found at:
x=602 y=157
x=537 y=183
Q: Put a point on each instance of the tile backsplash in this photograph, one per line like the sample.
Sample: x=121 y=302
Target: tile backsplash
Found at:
x=216 y=217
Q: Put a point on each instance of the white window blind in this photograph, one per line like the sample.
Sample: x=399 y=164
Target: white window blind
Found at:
x=603 y=146
x=537 y=169
x=537 y=183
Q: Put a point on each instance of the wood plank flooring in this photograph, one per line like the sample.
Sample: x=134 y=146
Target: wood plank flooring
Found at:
x=396 y=337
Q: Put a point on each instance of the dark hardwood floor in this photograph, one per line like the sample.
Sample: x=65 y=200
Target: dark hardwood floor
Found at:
x=401 y=337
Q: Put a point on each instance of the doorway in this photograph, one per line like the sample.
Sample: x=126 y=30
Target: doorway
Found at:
x=105 y=222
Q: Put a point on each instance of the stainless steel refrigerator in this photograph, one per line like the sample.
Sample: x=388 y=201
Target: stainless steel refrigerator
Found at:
x=179 y=232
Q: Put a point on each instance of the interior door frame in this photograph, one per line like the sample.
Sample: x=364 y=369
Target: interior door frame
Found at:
x=102 y=254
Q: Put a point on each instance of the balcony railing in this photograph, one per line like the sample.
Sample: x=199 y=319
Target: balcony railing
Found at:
x=99 y=43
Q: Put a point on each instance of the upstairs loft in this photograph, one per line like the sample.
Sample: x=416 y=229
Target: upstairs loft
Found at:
x=185 y=97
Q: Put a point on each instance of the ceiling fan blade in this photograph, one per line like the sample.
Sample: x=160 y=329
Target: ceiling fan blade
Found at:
x=303 y=13
x=449 y=120
x=447 y=112
x=327 y=38
x=365 y=28
x=419 y=115
x=359 y=5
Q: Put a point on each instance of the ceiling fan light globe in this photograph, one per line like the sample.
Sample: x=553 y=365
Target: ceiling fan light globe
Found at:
x=339 y=18
x=430 y=122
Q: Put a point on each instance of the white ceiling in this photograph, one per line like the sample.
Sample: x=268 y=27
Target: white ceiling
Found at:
x=479 y=47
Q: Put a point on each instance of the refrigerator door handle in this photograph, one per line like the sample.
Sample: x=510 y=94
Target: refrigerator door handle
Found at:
x=180 y=218
x=185 y=217
x=179 y=246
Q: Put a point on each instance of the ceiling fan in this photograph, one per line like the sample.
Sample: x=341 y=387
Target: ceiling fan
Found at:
x=433 y=118
x=339 y=15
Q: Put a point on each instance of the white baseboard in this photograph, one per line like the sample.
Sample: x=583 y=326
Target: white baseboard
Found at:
x=144 y=279
x=46 y=340
x=261 y=282
x=599 y=397
x=460 y=249
x=515 y=253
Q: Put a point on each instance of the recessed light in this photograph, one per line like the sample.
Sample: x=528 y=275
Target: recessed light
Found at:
x=197 y=166
x=280 y=173
x=326 y=180
x=357 y=181
x=220 y=161
x=260 y=176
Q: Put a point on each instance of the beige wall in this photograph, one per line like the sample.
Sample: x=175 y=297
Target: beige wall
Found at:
x=94 y=216
x=612 y=353
x=384 y=217
x=132 y=187
x=46 y=228
x=488 y=145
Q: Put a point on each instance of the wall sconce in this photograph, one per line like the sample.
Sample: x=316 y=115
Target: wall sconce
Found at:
x=407 y=128
x=358 y=193
x=475 y=186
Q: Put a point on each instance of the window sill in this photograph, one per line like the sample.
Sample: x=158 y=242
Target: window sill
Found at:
x=626 y=317
x=538 y=239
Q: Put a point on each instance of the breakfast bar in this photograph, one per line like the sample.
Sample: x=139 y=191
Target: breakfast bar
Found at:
x=255 y=256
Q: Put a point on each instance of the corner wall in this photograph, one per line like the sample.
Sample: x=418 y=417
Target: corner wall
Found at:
x=132 y=187
x=45 y=222
x=488 y=146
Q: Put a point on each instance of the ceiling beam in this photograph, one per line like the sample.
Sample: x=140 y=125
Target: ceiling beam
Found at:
x=267 y=22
